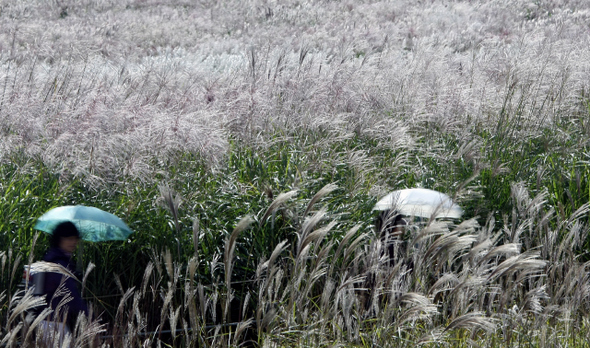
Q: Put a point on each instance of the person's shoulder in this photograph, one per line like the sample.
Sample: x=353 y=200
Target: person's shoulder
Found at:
x=55 y=255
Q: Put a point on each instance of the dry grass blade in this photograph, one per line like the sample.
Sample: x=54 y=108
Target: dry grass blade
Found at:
x=196 y=236
x=433 y=337
x=149 y=268
x=317 y=273
x=319 y=195
x=441 y=244
x=193 y=263
x=277 y=251
x=508 y=250
x=63 y=293
x=267 y=265
x=156 y=261
x=21 y=304
x=469 y=283
x=268 y=318
x=446 y=282
x=40 y=317
x=317 y=234
x=574 y=280
x=434 y=229
x=168 y=263
x=449 y=244
x=416 y=312
x=479 y=249
x=528 y=263
x=11 y=337
x=202 y=300
x=85 y=332
x=230 y=246
x=351 y=281
x=519 y=229
x=16 y=266
x=415 y=299
x=240 y=330
x=246 y=302
x=347 y=237
x=472 y=321
x=353 y=246
x=308 y=225
x=467 y=226
x=282 y=198
x=43 y=266
x=572 y=240
x=581 y=212
x=4 y=259
x=463 y=243
x=327 y=295
x=89 y=269
x=33 y=243
x=172 y=202
x=533 y=299
x=173 y=319
x=119 y=326
x=167 y=302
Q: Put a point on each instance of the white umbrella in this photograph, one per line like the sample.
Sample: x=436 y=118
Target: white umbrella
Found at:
x=420 y=202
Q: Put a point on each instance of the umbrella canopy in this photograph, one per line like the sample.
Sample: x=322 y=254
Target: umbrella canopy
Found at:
x=420 y=202
x=95 y=225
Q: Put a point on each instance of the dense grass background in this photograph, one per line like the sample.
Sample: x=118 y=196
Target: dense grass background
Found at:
x=185 y=117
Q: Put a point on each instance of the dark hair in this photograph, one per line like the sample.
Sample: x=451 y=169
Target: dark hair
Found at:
x=63 y=230
x=387 y=220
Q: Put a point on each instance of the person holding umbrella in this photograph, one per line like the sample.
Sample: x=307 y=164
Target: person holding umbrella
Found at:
x=390 y=227
x=60 y=286
x=54 y=277
x=414 y=202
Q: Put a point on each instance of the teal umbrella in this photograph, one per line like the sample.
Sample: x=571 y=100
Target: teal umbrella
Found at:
x=95 y=225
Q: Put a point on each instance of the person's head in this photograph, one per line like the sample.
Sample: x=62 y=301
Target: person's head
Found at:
x=390 y=222
x=66 y=237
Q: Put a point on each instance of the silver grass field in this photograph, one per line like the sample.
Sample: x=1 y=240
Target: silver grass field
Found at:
x=246 y=142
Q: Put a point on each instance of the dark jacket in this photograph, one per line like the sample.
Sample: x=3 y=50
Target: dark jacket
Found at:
x=53 y=281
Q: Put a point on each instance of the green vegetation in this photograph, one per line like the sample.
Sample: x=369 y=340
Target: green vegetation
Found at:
x=246 y=144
